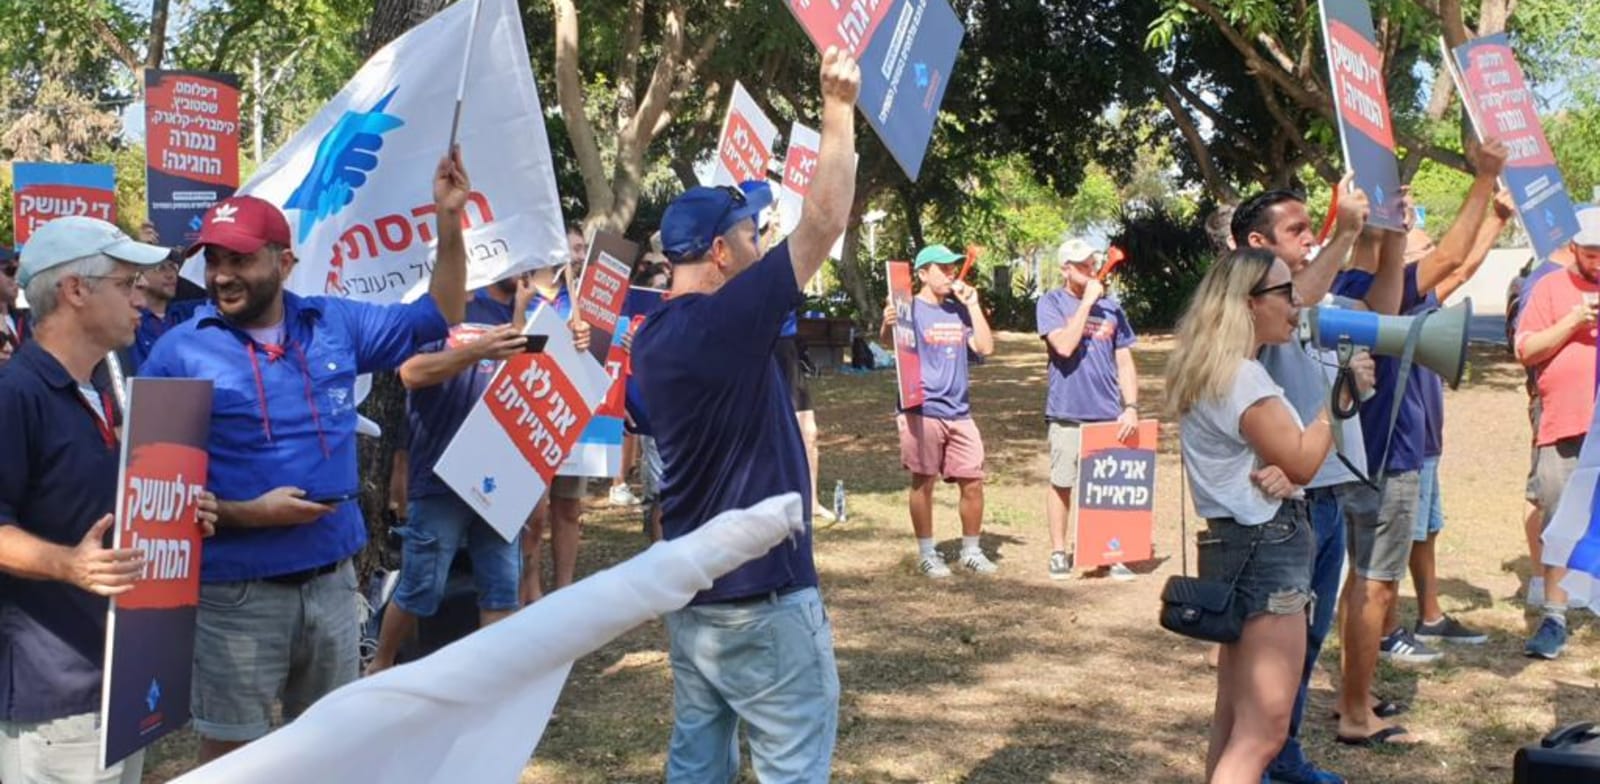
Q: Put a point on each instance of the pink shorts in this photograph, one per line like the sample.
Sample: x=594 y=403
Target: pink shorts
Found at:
x=952 y=449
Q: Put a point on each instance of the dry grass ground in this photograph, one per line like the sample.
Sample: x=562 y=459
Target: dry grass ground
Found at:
x=1015 y=678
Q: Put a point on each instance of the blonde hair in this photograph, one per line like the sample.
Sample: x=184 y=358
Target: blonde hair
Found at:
x=1216 y=331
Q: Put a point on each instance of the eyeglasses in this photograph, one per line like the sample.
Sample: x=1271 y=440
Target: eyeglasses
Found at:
x=124 y=283
x=1286 y=289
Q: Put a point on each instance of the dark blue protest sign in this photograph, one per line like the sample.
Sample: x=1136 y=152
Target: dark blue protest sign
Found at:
x=906 y=49
x=150 y=629
x=191 y=132
x=1501 y=106
x=1365 y=129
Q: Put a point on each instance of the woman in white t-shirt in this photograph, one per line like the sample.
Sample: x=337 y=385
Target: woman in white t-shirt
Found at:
x=1247 y=453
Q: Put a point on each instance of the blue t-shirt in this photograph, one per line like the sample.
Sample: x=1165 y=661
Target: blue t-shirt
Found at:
x=58 y=475
x=722 y=416
x=1083 y=387
x=1406 y=451
x=944 y=332
x=286 y=416
x=435 y=413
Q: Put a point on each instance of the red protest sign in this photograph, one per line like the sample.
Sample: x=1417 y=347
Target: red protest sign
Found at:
x=1113 y=504
x=799 y=164
x=1358 y=76
x=742 y=152
x=848 y=25
x=161 y=493
x=539 y=409
x=907 y=362
x=192 y=126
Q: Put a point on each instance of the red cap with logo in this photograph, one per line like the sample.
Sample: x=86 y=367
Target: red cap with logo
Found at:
x=242 y=224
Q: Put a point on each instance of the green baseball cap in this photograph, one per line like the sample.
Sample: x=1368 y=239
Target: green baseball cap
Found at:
x=936 y=254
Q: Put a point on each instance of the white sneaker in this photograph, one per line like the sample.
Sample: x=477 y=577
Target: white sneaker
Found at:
x=1120 y=573
x=622 y=496
x=933 y=566
x=976 y=561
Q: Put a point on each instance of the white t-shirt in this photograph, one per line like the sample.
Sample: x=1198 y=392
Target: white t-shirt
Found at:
x=96 y=403
x=1218 y=459
x=1306 y=374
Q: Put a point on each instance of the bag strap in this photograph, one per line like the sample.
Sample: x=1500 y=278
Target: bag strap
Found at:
x=1406 y=357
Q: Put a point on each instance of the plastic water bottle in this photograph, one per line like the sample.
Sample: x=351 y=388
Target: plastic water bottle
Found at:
x=838 y=501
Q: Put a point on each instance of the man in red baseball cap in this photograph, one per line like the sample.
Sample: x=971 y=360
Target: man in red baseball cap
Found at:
x=277 y=615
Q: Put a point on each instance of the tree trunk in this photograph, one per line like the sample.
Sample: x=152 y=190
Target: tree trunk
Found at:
x=386 y=405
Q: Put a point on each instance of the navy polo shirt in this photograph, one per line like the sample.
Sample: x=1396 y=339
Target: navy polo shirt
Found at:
x=152 y=327
x=288 y=418
x=722 y=416
x=435 y=413
x=58 y=475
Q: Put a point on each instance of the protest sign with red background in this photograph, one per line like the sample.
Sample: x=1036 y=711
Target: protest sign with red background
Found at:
x=42 y=192
x=150 y=629
x=907 y=363
x=1116 y=487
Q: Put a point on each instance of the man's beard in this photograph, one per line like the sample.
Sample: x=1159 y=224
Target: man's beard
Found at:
x=258 y=297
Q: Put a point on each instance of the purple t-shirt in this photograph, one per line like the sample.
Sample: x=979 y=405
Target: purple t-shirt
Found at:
x=943 y=332
x=1083 y=387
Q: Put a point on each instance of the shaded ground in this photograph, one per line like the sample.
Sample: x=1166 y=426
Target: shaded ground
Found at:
x=1015 y=678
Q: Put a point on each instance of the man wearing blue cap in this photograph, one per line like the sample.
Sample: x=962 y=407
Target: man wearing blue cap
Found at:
x=58 y=491
x=756 y=646
x=938 y=438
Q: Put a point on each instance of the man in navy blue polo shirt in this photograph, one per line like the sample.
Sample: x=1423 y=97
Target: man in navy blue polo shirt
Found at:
x=277 y=613
x=58 y=490
x=756 y=647
x=444 y=382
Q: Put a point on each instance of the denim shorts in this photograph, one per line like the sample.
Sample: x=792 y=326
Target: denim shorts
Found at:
x=1430 y=508
x=437 y=527
x=257 y=642
x=1276 y=578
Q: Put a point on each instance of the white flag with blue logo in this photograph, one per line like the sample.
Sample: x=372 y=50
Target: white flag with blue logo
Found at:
x=1572 y=540
x=356 y=181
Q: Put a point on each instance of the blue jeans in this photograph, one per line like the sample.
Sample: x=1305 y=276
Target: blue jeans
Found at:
x=767 y=662
x=437 y=527
x=1327 y=527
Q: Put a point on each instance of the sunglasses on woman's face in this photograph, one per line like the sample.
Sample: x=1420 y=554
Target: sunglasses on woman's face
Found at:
x=1286 y=289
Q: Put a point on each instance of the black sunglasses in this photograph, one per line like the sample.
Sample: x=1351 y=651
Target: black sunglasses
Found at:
x=1286 y=289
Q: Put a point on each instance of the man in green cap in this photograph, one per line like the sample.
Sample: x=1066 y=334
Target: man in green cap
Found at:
x=938 y=439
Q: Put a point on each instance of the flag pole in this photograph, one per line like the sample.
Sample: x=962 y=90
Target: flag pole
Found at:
x=466 y=67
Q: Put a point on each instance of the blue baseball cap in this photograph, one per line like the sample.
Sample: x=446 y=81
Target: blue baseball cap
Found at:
x=692 y=221
x=936 y=254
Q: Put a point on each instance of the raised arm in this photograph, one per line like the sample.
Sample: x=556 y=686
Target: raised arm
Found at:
x=449 y=283
x=826 y=209
x=1314 y=280
x=1488 y=161
x=1488 y=232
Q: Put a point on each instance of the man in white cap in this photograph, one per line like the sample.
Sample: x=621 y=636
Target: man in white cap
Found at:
x=1556 y=337
x=58 y=490
x=1092 y=379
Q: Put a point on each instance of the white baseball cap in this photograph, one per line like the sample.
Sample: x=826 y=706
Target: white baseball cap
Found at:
x=76 y=236
x=1075 y=251
x=1588 y=228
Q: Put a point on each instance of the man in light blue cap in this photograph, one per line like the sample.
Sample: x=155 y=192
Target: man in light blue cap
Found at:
x=58 y=490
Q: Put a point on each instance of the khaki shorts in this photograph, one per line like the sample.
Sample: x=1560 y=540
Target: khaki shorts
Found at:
x=1553 y=466
x=1065 y=442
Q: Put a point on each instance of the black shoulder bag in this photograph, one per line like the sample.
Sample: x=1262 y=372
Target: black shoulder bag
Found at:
x=1197 y=607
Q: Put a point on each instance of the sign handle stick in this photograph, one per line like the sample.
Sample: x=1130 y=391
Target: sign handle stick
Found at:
x=466 y=67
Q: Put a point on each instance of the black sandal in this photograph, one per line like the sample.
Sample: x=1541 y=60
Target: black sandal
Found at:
x=1385 y=709
x=1379 y=738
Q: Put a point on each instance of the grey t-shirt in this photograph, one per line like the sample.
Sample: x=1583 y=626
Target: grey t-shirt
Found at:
x=1306 y=374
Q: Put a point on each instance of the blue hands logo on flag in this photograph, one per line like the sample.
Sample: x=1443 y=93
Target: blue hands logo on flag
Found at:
x=344 y=158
